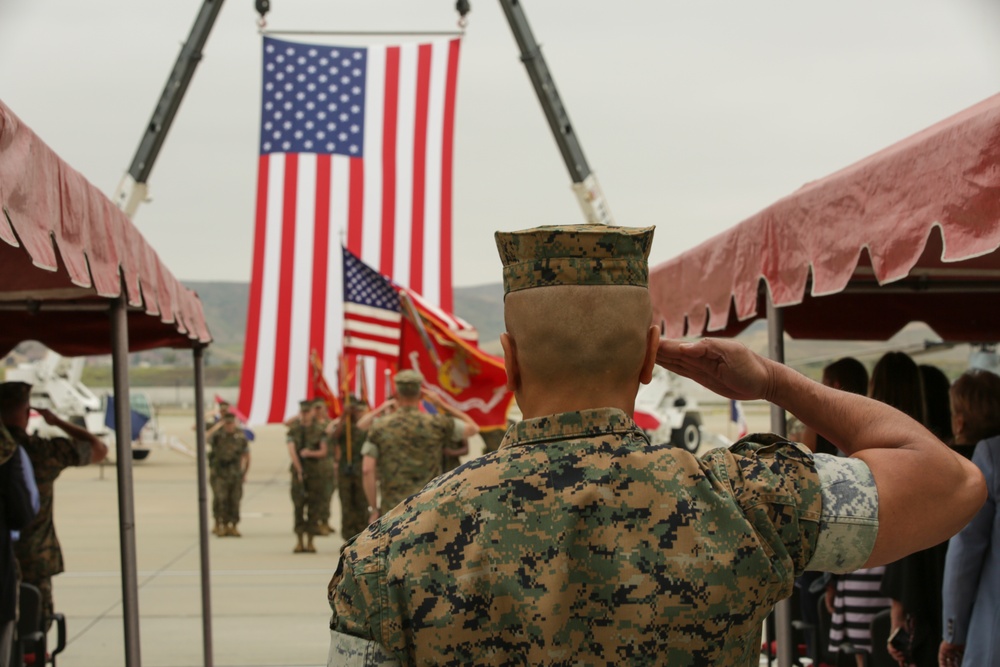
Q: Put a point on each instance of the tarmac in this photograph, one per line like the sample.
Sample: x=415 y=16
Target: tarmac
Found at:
x=269 y=605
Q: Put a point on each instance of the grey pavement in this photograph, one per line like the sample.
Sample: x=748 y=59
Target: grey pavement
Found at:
x=268 y=605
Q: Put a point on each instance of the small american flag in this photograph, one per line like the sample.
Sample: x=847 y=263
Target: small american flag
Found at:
x=372 y=320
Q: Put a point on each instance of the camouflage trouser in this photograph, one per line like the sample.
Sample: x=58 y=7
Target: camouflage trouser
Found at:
x=227 y=491
x=44 y=586
x=329 y=486
x=353 y=505
x=307 y=499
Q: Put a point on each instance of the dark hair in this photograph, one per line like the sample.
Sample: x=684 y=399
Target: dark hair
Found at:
x=14 y=396
x=975 y=397
x=848 y=374
x=936 y=390
x=896 y=381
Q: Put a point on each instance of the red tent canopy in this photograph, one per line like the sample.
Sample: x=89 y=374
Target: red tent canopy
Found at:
x=908 y=234
x=66 y=249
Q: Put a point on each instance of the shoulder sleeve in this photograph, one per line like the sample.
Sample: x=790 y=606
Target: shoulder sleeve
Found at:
x=356 y=590
x=775 y=484
x=457 y=429
x=849 y=522
x=372 y=438
x=350 y=651
x=64 y=452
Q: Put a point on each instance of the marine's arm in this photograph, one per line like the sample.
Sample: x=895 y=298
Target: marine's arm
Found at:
x=365 y=420
x=369 y=481
x=98 y=450
x=469 y=427
x=926 y=491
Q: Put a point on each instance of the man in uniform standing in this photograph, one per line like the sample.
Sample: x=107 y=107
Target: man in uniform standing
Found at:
x=581 y=541
x=306 y=447
x=38 y=551
x=229 y=463
x=347 y=438
x=328 y=469
x=404 y=449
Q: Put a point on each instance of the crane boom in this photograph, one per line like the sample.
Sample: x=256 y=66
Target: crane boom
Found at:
x=132 y=189
x=588 y=191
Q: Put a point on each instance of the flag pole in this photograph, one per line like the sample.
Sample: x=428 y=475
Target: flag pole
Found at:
x=415 y=319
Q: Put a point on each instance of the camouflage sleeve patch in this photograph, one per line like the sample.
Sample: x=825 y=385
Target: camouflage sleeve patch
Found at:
x=457 y=429
x=351 y=651
x=849 y=522
x=369 y=449
x=775 y=483
x=83 y=451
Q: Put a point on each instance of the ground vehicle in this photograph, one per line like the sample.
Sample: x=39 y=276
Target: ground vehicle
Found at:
x=56 y=386
x=666 y=414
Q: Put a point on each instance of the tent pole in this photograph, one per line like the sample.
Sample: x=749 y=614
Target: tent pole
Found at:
x=776 y=351
x=206 y=584
x=126 y=501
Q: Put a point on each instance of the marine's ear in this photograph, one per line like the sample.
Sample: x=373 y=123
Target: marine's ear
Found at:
x=510 y=362
x=652 y=344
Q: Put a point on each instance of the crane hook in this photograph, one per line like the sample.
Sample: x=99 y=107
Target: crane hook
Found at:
x=263 y=7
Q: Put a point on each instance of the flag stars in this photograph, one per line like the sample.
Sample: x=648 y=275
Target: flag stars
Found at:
x=310 y=96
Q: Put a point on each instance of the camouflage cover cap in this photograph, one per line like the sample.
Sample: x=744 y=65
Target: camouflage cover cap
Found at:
x=409 y=376
x=574 y=255
x=229 y=417
x=306 y=404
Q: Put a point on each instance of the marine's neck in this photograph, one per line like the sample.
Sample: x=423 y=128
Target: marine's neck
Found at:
x=554 y=400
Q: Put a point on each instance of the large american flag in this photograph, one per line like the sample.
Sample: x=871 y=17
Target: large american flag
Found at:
x=355 y=148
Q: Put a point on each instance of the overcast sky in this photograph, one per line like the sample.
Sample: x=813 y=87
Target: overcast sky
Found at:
x=694 y=115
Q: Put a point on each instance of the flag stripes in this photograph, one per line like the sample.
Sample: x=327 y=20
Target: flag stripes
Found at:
x=391 y=206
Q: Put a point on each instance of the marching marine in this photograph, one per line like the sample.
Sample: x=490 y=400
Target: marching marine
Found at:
x=348 y=438
x=306 y=448
x=229 y=463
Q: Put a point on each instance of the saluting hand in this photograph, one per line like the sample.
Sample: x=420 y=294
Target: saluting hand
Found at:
x=50 y=417
x=726 y=367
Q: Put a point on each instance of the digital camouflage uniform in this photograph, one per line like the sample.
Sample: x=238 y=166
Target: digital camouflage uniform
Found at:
x=307 y=495
x=38 y=551
x=353 y=504
x=407 y=445
x=329 y=474
x=226 y=473
x=580 y=542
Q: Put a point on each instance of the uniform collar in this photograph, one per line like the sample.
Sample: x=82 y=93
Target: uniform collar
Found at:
x=568 y=425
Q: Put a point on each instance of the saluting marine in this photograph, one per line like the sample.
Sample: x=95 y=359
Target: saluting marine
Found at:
x=404 y=449
x=38 y=551
x=327 y=468
x=306 y=447
x=580 y=542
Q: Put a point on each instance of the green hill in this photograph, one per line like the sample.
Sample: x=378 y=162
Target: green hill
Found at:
x=225 y=305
